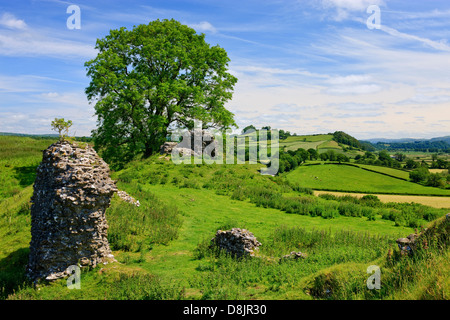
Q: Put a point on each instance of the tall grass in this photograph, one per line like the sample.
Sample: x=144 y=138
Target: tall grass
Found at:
x=224 y=277
x=422 y=275
x=142 y=286
x=134 y=228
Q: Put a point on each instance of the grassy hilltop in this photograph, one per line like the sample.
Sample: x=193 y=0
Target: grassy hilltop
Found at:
x=162 y=246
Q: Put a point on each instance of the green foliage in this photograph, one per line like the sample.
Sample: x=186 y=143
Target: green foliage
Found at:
x=62 y=127
x=423 y=176
x=153 y=76
x=163 y=245
x=342 y=137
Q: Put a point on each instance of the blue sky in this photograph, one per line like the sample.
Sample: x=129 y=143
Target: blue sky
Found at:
x=303 y=66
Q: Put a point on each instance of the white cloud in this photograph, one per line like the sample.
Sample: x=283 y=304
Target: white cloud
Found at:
x=203 y=26
x=351 y=5
x=354 y=89
x=349 y=80
x=34 y=44
x=352 y=84
x=35 y=113
x=10 y=21
x=438 y=45
x=426 y=99
x=345 y=7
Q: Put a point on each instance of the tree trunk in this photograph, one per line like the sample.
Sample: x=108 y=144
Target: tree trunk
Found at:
x=148 y=150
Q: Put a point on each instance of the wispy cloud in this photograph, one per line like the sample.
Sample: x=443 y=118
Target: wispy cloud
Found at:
x=33 y=43
x=438 y=45
x=203 y=26
x=425 y=99
x=344 y=8
x=8 y=20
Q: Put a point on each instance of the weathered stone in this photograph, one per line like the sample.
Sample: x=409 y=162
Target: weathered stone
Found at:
x=238 y=242
x=72 y=190
x=127 y=198
x=407 y=245
x=294 y=256
x=167 y=147
x=194 y=143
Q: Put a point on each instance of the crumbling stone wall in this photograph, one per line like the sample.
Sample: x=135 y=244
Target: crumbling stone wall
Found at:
x=72 y=190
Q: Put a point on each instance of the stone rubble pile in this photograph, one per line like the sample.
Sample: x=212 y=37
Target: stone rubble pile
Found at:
x=238 y=242
x=194 y=143
x=127 y=198
x=410 y=244
x=407 y=245
x=294 y=256
x=167 y=147
x=72 y=190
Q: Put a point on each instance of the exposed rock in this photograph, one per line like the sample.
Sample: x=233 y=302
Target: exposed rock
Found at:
x=238 y=242
x=407 y=245
x=404 y=244
x=167 y=147
x=437 y=233
x=72 y=190
x=194 y=143
x=127 y=198
x=294 y=256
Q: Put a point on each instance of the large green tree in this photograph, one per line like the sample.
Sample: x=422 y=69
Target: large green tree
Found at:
x=151 y=77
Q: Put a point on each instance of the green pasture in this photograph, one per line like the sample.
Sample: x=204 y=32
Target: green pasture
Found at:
x=162 y=246
x=335 y=177
x=401 y=174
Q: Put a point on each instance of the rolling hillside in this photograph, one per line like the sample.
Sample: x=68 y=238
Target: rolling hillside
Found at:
x=162 y=246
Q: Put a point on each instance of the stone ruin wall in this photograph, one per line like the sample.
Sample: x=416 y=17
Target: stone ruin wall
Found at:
x=72 y=190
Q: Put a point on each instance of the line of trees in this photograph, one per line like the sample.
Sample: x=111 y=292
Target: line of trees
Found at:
x=381 y=159
x=420 y=146
x=283 y=135
x=292 y=159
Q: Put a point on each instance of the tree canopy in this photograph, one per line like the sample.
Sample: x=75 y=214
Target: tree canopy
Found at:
x=151 y=77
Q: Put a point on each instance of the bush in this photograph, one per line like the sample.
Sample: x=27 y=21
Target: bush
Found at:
x=419 y=174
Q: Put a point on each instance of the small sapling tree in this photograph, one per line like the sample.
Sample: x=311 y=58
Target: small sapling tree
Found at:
x=62 y=127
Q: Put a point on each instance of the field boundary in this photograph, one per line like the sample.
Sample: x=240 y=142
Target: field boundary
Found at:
x=387 y=193
x=356 y=166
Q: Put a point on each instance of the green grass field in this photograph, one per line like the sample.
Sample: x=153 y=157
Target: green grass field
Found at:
x=305 y=142
x=401 y=174
x=161 y=247
x=19 y=158
x=352 y=179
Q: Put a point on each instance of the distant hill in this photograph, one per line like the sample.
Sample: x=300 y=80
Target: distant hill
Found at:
x=407 y=140
x=439 y=144
x=40 y=136
x=49 y=135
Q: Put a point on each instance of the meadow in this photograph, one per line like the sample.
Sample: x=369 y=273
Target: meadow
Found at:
x=335 y=177
x=162 y=246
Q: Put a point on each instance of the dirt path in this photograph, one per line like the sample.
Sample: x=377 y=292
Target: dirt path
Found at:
x=436 y=202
